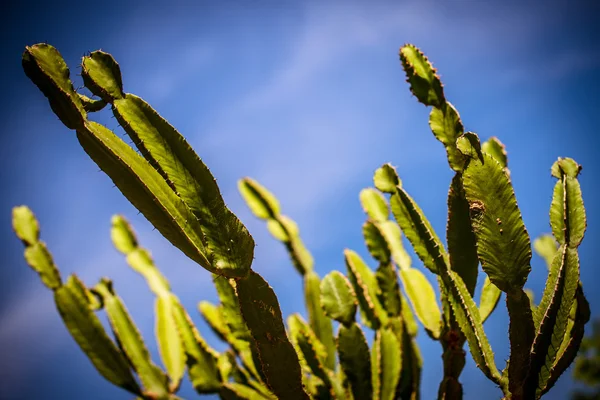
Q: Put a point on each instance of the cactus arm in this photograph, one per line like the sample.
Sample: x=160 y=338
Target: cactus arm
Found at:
x=365 y=286
x=503 y=244
x=503 y=247
x=410 y=377
x=386 y=363
x=521 y=333
x=355 y=360
x=423 y=300
x=553 y=311
x=264 y=205
x=138 y=258
x=213 y=316
x=230 y=309
x=495 y=148
x=573 y=338
x=568 y=220
x=462 y=245
x=490 y=295
x=36 y=253
x=155 y=382
x=237 y=332
x=418 y=231
x=403 y=325
x=468 y=318
x=229 y=244
x=545 y=246
x=425 y=85
x=386 y=179
x=446 y=126
x=87 y=330
x=44 y=65
x=312 y=352
x=201 y=360
x=102 y=75
x=141 y=184
x=169 y=341
x=374 y=205
x=338 y=298
x=146 y=190
x=389 y=290
x=261 y=202
x=91 y=105
x=567 y=213
x=376 y=242
x=384 y=241
x=318 y=320
x=168 y=337
x=25 y=225
x=278 y=358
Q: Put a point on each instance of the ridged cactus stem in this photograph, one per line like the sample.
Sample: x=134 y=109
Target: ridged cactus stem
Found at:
x=153 y=379
x=229 y=250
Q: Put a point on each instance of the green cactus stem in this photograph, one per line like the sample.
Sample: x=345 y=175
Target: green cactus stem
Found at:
x=279 y=362
x=338 y=298
x=137 y=179
x=365 y=286
x=568 y=221
x=355 y=360
x=153 y=379
x=201 y=359
x=36 y=253
x=89 y=334
x=386 y=364
x=170 y=345
x=229 y=246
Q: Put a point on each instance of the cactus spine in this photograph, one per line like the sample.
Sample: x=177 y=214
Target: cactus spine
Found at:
x=176 y=192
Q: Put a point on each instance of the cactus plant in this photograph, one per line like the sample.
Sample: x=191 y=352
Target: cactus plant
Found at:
x=171 y=186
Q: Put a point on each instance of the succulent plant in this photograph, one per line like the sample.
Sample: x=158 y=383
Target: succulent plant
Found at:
x=267 y=359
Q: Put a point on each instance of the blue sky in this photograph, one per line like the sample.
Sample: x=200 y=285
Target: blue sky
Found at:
x=308 y=98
